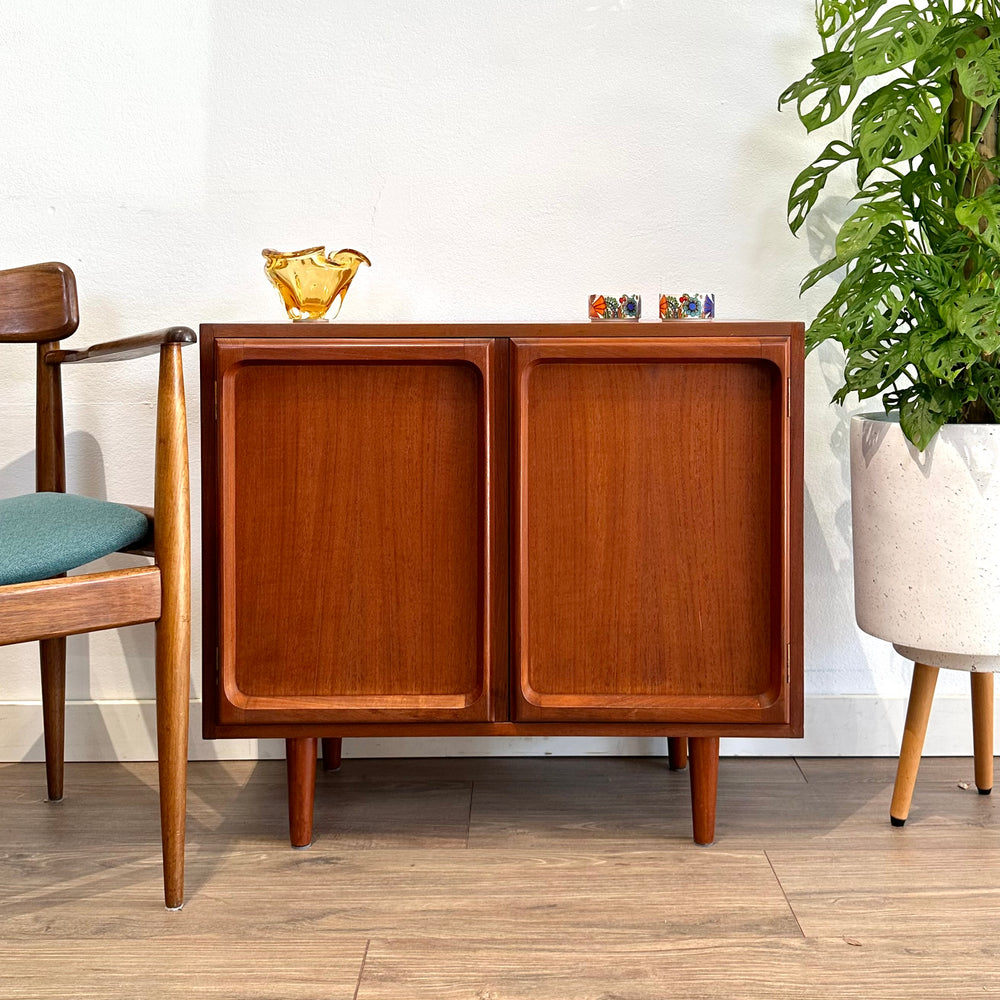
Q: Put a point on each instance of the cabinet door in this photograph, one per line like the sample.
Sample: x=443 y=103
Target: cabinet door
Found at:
x=362 y=577
x=651 y=529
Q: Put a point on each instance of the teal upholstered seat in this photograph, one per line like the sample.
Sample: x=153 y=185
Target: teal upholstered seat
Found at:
x=45 y=534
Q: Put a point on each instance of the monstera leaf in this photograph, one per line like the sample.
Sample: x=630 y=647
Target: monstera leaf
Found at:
x=857 y=233
x=812 y=180
x=899 y=121
x=982 y=216
x=900 y=36
x=823 y=95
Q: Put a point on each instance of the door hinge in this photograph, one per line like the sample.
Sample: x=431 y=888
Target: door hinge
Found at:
x=216 y=666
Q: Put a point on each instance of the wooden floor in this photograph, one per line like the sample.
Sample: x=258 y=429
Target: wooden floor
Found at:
x=493 y=879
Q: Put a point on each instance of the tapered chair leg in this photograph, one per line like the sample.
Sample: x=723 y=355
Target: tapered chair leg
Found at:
x=918 y=711
x=52 y=654
x=982 y=730
x=172 y=539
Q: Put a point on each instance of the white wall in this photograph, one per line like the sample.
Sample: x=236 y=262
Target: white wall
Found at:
x=496 y=160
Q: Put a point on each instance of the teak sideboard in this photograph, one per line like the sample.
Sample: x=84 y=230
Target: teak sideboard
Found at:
x=502 y=530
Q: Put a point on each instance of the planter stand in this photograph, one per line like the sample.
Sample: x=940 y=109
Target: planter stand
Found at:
x=926 y=553
x=917 y=711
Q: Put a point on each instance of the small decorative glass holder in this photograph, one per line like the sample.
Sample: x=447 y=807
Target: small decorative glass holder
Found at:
x=686 y=306
x=309 y=281
x=609 y=308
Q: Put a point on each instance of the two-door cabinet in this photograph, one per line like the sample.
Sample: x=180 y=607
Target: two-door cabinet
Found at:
x=575 y=529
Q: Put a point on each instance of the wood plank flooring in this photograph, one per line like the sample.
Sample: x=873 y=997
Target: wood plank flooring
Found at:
x=498 y=879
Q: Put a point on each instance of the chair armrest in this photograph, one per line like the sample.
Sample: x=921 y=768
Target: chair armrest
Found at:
x=125 y=349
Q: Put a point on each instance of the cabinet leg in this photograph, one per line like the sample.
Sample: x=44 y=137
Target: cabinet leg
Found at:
x=300 y=756
x=331 y=753
x=918 y=709
x=982 y=730
x=704 y=786
x=677 y=750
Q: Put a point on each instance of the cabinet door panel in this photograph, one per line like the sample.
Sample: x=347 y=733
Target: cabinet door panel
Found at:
x=650 y=530
x=359 y=489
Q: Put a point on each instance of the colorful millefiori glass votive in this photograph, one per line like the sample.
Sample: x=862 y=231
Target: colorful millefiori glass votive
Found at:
x=607 y=307
x=687 y=306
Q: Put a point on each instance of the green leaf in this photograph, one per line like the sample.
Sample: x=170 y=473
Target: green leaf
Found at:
x=919 y=420
x=817 y=273
x=979 y=70
x=834 y=15
x=900 y=36
x=899 y=121
x=812 y=180
x=947 y=359
x=857 y=233
x=833 y=79
x=982 y=216
x=976 y=316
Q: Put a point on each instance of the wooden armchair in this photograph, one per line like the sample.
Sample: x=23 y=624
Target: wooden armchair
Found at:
x=45 y=534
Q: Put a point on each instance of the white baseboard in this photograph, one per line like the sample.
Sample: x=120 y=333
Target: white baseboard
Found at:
x=836 y=726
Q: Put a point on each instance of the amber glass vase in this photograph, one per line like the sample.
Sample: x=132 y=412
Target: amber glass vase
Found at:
x=309 y=281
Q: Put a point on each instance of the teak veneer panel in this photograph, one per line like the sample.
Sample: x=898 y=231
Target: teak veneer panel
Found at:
x=356 y=500
x=648 y=502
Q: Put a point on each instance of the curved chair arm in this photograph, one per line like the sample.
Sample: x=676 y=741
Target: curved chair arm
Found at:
x=125 y=349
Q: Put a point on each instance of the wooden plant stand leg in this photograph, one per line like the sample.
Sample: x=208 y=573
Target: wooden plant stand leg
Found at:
x=52 y=654
x=331 y=753
x=982 y=730
x=704 y=752
x=300 y=756
x=915 y=729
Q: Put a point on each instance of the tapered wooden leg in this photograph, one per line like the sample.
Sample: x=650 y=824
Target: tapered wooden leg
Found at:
x=300 y=756
x=677 y=750
x=982 y=730
x=52 y=654
x=331 y=753
x=915 y=729
x=704 y=752
x=172 y=541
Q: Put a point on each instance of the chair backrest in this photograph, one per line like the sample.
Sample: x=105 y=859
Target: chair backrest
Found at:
x=38 y=303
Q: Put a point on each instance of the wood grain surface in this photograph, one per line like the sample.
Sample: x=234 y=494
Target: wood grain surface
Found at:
x=514 y=878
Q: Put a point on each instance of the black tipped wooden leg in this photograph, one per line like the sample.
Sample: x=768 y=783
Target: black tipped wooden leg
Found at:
x=52 y=655
x=300 y=757
x=917 y=712
x=982 y=730
x=704 y=752
x=677 y=750
x=331 y=753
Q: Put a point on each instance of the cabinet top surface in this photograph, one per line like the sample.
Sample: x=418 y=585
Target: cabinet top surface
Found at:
x=610 y=330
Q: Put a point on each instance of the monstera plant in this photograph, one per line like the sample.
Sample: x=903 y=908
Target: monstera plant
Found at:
x=917 y=310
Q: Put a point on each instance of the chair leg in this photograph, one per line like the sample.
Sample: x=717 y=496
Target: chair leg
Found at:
x=52 y=653
x=917 y=712
x=172 y=539
x=982 y=730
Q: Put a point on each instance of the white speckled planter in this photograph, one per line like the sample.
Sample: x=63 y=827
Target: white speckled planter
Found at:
x=927 y=541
